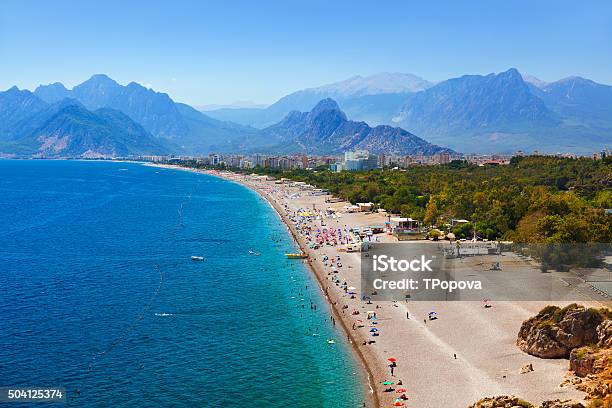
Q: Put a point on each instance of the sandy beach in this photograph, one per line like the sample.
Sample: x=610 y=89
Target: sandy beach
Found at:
x=469 y=352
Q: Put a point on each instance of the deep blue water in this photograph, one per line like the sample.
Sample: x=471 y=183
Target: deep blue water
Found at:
x=98 y=293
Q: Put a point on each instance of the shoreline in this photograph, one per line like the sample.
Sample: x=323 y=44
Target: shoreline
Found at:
x=367 y=363
x=468 y=353
x=371 y=395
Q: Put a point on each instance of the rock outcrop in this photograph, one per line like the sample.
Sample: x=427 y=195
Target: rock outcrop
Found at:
x=585 y=336
x=506 y=401
x=604 y=333
x=589 y=360
x=555 y=332
x=502 y=401
x=592 y=367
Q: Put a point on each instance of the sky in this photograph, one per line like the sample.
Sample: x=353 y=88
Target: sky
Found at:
x=217 y=52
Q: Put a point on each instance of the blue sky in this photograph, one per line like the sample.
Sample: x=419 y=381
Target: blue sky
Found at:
x=204 y=52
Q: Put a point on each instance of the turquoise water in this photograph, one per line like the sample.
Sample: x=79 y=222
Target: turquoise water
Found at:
x=98 y=293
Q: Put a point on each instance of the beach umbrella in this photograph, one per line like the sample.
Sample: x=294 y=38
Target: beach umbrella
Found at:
x=388 y=383
x=352 y=288
x=400 y=390
x=374 y=329
x=393 y=360
x=398 y=404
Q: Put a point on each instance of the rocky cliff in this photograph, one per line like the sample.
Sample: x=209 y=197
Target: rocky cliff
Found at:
x=555 y=331
x=582 y=334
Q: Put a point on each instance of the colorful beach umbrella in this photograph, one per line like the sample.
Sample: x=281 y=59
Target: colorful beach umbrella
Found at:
x=388 y=383
x=400 y=390
x=398 y=404
x=393 y=360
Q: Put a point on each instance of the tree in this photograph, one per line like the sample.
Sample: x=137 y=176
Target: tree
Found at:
x=431 y=212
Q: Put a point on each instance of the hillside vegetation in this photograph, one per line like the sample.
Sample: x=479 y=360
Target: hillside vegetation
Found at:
x=533 y=199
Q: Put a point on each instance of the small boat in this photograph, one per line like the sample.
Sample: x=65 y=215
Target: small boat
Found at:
x=253 y=253
x=300 y=255
x=197 y=258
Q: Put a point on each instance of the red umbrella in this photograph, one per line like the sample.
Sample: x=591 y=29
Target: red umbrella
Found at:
x=392 y=360
x=399 y=404
x=400 y=390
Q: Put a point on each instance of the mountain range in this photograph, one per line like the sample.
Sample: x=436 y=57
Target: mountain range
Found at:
x=187 y=129
x=363 y=98
x=474 y=113
x=498 y=113
x=103 y=118
x=30 y=126
x=327 y=130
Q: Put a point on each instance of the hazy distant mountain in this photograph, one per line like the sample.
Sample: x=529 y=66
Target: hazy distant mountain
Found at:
x=180 y=124
x=530 y=79
x=75 y=131
x=477 y=106
x=52 y=93
x=473 y=113
x=15 y=106
x=233 y=105
x=326 y=130
x=384 y=83
x=155 y=111
x=579 y=100
x=503 y=113
x=383 y=92
x=475 y=101
x=66 y=128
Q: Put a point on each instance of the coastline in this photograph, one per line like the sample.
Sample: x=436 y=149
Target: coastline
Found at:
x=367 y=365
x=487 y=361
x=366 y=360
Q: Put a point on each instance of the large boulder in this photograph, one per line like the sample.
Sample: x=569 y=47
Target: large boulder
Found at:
x=554 y=332
x=502 y=401
x=507 y=401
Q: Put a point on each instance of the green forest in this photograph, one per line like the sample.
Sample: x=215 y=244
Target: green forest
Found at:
x=533 y=199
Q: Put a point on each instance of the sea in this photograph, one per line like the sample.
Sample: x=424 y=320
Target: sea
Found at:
x=99 y=294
